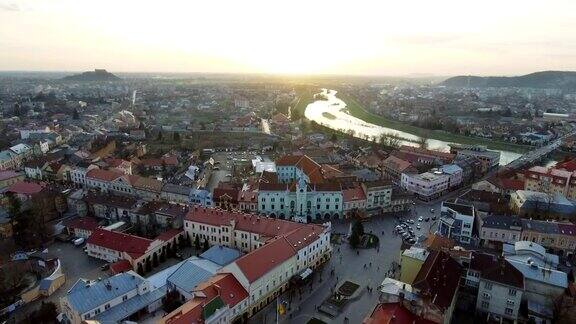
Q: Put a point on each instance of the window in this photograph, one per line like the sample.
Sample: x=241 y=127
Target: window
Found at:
x=488 y=285
x=510 y=302
x=508 y=311
x=512 y=292
x=485 y=304
x=486 y=296
x=124 y=298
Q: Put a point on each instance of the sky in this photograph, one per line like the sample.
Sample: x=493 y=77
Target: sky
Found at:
x=377 y=37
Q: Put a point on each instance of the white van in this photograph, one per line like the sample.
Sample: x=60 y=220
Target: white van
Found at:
x=79 y=241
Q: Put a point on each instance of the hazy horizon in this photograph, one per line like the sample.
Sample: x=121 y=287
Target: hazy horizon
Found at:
x=363 y=38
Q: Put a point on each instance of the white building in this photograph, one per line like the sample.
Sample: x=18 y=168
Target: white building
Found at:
x=278 y=249
x=426 y=186
x=301 y=201
x=378 y=194
x=500 y=286
x=457 y=221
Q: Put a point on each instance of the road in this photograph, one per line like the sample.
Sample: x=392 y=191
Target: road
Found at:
x=348 y=265
x=535 y=155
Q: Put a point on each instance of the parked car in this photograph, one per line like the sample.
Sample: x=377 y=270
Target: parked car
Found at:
x=433 y=218
x=79 y=241
x=105 y=267
x=418 y=226
x=432 y=210
x=427 y=219
x=420 y=219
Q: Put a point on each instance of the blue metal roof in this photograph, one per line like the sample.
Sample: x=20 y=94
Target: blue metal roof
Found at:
x=191 y=273
x=221 y=255
x=45 y=284
x=121 y=311
x=87 y=297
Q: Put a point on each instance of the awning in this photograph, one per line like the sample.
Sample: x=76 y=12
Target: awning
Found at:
x=306 y=273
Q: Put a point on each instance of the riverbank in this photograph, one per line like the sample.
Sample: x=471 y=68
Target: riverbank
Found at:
x=305 y=97
x=356 y=110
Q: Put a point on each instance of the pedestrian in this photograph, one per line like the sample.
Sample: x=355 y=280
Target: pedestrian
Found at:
x=370 y=264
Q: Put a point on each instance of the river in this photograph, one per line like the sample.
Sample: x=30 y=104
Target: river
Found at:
x=332 y=113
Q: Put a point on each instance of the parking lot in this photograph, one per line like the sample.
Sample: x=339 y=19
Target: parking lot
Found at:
x=224 y=163
x=75 y=264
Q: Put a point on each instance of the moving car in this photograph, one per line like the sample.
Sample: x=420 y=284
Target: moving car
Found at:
x=432 y=210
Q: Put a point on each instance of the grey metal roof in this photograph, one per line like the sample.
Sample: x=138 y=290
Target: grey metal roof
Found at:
x=501 y=222
x=191 y=273
x=123 y=310
x=221 y=255
x=540 y=274
x=464 y=209
x=540 y=226
x=177 y=189
x=84 y=298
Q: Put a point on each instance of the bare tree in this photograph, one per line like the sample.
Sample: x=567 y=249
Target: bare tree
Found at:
x=423 y=141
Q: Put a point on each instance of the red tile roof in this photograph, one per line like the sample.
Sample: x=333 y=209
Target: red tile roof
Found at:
x=270 y=227
x=135 y=246
x=169 y=234
x=262 y=260
x=353 y=194
x=103 y=175
x=438 y=279
x=223 y=286
x=316 y=173
x=26 y=188
x=568 y=165
x=396 y=163
x=148 y=184
x=393 y=313
x=223 y=193
x=83 y=223
x=120 y=266
x=248 y=196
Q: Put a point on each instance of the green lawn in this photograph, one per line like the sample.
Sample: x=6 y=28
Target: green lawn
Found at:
x=356 y=110
x=305 y=97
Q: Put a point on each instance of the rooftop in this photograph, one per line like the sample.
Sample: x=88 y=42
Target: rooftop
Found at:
x=262 y=260
x=221 y=255
x=85 y=296
x=438 y=279
x=135 y=246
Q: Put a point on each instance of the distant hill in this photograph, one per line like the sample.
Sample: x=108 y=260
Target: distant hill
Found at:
x=543 y=80
x=96 y=75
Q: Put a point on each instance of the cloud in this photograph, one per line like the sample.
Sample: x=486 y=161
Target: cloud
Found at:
x=10 y=6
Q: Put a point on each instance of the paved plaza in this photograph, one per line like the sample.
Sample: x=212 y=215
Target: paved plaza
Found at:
x=368 y=268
